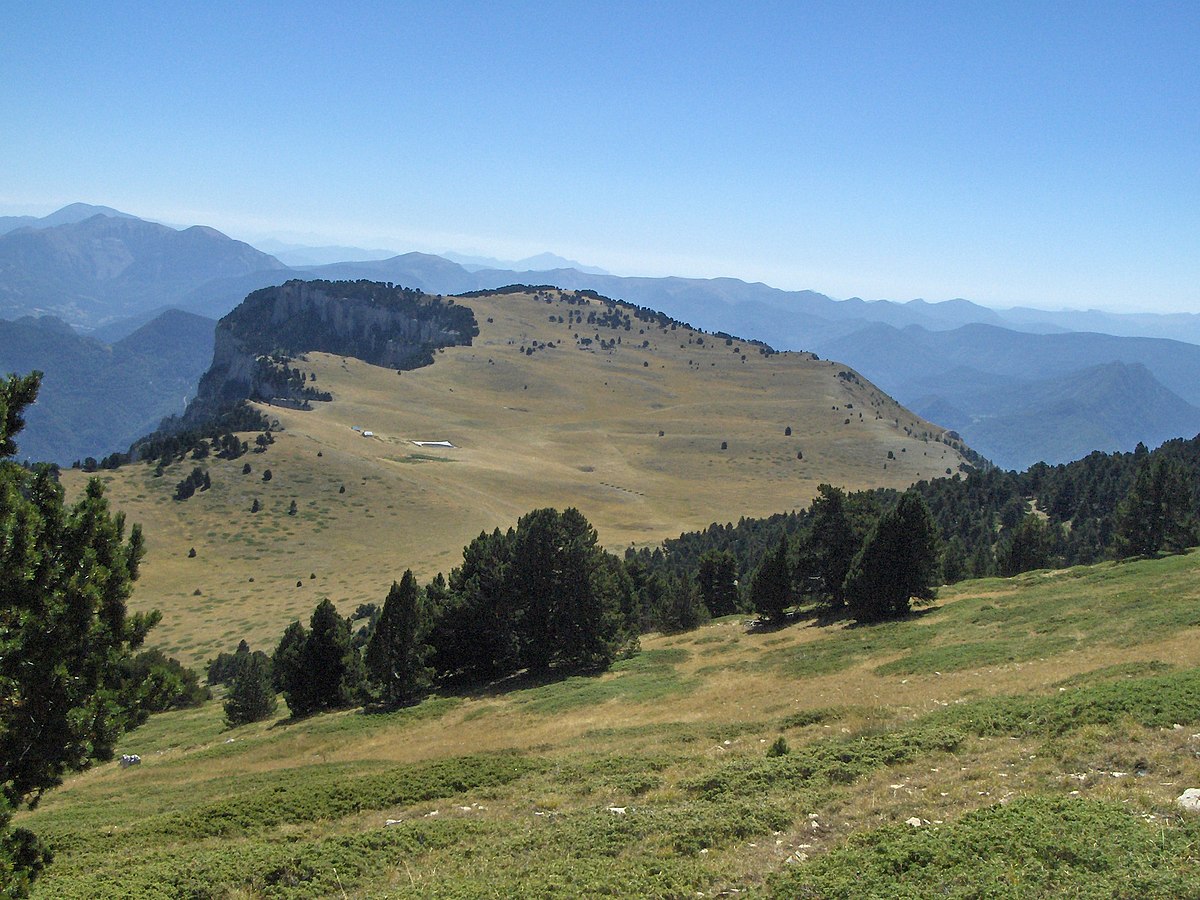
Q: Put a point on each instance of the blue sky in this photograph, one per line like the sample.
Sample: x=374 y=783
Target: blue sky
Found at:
x=1012 y=153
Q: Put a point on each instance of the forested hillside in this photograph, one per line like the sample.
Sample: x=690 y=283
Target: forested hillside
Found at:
x=991 y=522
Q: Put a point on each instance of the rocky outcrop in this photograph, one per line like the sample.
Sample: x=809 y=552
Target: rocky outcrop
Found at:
x=377 y=323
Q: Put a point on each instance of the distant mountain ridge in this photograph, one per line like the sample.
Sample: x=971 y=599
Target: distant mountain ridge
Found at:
x=542 y=262
x=104 y=267
x=68 y=215
x=97 y=268
x=1023 y=398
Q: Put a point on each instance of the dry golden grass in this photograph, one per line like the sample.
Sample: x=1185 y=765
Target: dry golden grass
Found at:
x=562 y=427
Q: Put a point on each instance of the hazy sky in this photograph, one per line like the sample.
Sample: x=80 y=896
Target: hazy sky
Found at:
x=1041 y=153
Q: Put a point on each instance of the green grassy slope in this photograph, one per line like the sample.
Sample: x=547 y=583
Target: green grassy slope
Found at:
x=1038 y=729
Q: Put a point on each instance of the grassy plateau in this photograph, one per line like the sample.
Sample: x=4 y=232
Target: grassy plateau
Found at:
x=630 y=435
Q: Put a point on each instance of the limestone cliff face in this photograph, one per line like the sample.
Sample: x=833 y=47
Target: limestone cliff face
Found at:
x=377 y=323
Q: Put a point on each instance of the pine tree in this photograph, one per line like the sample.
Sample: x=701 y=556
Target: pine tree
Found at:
x=587 y=624
x=395 y=656
x=252 y=696
x=65 y=636
x=287 y=676
x=557 y=576
x=771 y=586
x=898 y=561
x=1156 y=513
x=329 y=670
x=681 y=608
x=477 y=630
x=716 y=574
x=1029 y=546
x=831 y=542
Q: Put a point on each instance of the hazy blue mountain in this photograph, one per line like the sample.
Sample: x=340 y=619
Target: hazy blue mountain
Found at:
x=9 y=223
x=97 y=398
x=1176 y=326
x=542 y=262
x=794 y=319
x=106 y=268
x=305 y=255
x=900 y=359
x=1107 y=407
x=422 y=271
x=1018 y=398
x=75 y=212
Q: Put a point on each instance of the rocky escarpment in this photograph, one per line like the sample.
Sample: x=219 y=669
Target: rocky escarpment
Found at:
x=378 y=323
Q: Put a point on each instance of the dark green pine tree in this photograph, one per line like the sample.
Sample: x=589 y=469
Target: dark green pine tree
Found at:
x=475 y=630
x=679 y=607
x=287 y=676
x=717 y=576
x=1028 y=546
x=252 y=696
x=65 y=636
x=395 y=656
x=570 y=604
x=954 y=560
x=535 y=577
x=329 y=671
x=831 y=543
x=898 y=561
x=586 y=618
x=771 y=585
x=1156 y=513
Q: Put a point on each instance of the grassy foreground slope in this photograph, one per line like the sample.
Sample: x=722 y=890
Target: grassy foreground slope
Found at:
x=631 y=435
x=1036 y=729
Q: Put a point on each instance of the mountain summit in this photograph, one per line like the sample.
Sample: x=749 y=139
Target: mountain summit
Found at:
x=105 y=268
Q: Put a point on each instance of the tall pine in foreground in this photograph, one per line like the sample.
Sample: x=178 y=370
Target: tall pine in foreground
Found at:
x=829 y=545
x=395 y=656
x=898 y=562
x=543 y=595
x=65 y=637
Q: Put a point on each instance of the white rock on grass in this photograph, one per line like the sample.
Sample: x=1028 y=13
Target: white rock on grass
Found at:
x=1189 y=800
x=914 y=822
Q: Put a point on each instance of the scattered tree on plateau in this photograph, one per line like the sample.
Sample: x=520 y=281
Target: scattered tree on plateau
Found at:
x=65 y=636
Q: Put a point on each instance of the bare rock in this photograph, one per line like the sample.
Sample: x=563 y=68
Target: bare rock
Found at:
x=1189 y=800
